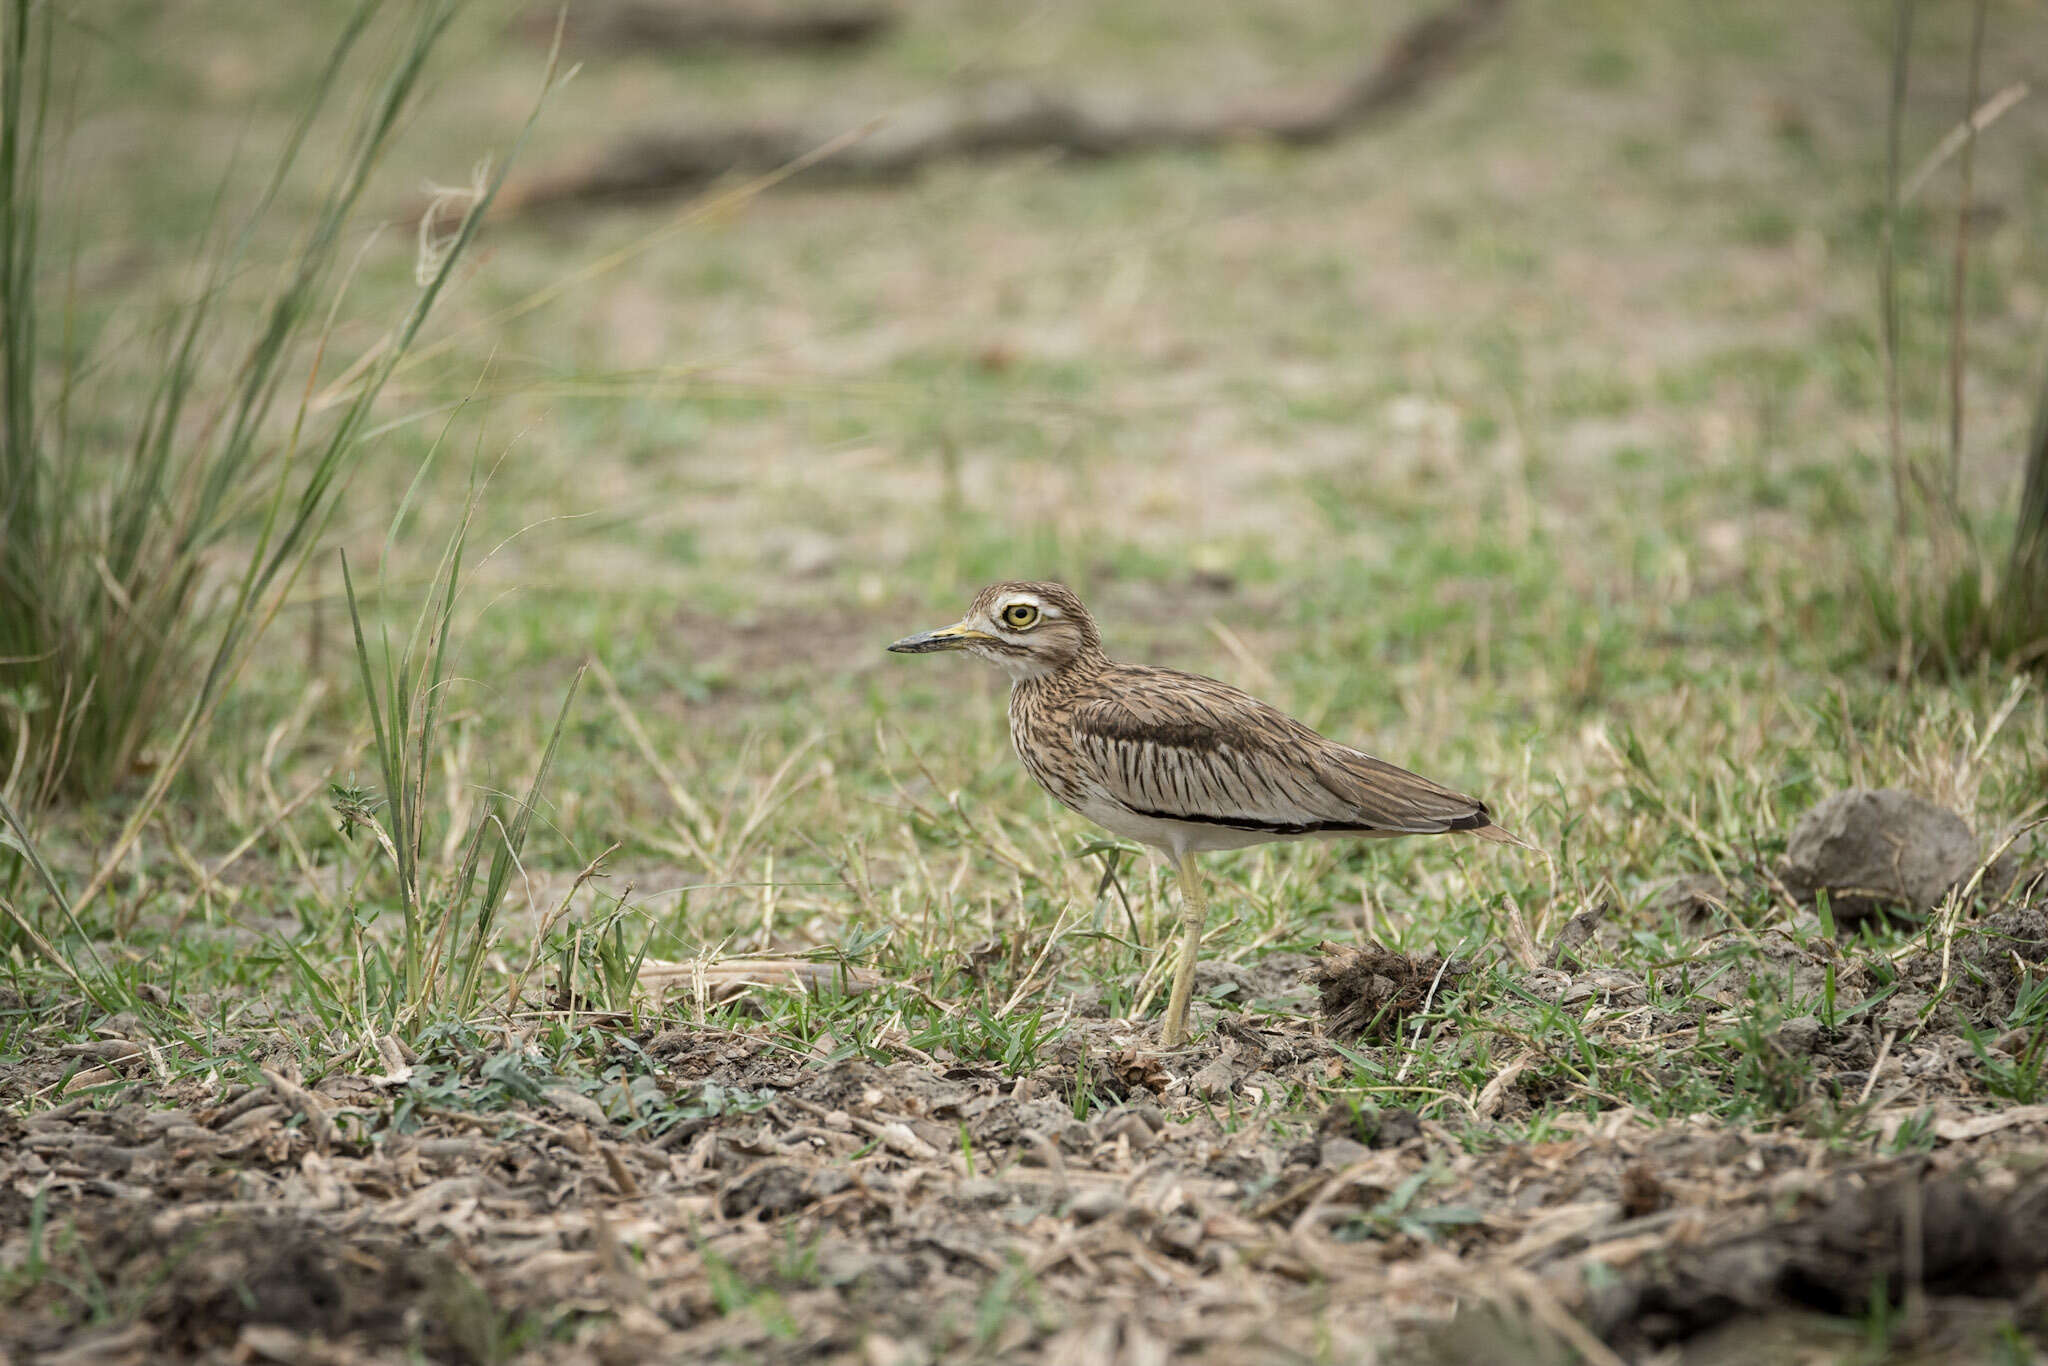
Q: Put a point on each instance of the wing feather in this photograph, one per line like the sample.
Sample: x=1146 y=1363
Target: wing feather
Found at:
x=1188 y=748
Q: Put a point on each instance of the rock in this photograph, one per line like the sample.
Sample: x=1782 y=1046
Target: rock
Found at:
x=1879 y=850
x=1214 y=1080
x=1799 y=1037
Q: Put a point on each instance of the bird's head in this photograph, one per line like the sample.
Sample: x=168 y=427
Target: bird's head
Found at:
x=1026 y=629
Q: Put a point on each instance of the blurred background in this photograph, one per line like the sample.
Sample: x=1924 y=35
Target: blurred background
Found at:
x=1470 y=375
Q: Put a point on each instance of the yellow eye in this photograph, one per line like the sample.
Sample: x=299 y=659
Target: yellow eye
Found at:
x=1020 y=616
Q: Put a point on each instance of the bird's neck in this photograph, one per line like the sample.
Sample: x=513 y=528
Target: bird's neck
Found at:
x=1066 y=676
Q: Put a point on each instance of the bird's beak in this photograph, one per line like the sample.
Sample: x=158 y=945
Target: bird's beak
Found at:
x=958 y=636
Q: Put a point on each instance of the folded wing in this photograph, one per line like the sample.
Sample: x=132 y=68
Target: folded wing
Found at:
x=1203 y=751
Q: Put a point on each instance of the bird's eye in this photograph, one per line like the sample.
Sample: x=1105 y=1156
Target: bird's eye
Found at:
x=1020 y=616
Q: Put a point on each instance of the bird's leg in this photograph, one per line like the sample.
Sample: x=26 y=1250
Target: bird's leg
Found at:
x=1194 y=911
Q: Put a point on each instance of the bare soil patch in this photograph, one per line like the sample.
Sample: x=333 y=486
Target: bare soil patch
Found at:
x=1112 y=1203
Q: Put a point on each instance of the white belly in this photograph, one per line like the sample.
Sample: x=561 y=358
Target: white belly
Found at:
x=1175 y=837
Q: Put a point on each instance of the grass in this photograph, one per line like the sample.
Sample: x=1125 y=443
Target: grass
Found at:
x=449 y=920
x=142 y=566
x=1949 y=593
x=1561 y=506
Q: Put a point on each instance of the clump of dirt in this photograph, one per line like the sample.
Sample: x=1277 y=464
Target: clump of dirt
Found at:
x=1990 y=964
x=1945 y=1236
x=1880 y=851
x=210 y=1279
x=1367 y=991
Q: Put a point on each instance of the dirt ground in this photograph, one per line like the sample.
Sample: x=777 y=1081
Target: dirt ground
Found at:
x=768 y=1206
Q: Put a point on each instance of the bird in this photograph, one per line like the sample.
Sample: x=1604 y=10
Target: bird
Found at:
x=1180 y=762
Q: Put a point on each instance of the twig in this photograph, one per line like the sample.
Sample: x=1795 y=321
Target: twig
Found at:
x=1884 y=1050
x=1012 y=117
x=639 y=26
x=1988 y=113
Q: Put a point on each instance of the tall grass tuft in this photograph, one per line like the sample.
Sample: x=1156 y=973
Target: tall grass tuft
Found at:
x=1946 y=599
x=138 y=572
x=449 y=922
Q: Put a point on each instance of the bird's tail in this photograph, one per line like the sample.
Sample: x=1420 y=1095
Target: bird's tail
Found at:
x=1498 y=835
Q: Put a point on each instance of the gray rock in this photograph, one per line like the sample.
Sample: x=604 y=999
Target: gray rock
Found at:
x=1879 y=850
x=1215 y=1079
x=1797 y=1037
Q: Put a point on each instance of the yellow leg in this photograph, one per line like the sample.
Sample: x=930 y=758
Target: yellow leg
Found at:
x=1194 y=911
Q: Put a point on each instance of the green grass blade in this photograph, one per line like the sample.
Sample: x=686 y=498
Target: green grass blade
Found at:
x=515 y=833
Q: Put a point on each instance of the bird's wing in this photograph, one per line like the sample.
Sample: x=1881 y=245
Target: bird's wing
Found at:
x=1192 y=749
